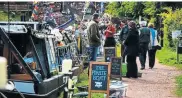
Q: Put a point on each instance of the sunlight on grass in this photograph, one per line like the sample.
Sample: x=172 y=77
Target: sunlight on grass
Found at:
x=168 y=57
x=179 y=86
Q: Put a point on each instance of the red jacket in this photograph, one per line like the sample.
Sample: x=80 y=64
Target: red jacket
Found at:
x=112 y=29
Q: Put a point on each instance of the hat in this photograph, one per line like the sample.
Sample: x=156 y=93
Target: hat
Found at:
x=143 y=23
x=95 y=16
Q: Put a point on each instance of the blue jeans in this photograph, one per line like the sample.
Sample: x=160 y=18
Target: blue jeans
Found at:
x=93 y=53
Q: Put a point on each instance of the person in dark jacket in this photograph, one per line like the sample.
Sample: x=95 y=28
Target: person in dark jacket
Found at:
x=94 y=37
x=144 y=40
x=122 y=36
x=131 y=50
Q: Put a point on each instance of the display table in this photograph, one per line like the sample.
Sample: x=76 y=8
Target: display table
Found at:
x=117 y=89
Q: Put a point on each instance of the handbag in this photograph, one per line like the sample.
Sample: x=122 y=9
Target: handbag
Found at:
x=156 y=46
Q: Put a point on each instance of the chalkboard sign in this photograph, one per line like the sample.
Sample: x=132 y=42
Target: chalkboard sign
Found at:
x=99 y=77
x=109 y=52
x=116 y=67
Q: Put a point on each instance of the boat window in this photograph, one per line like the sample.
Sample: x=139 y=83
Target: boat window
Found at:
x=15 y=70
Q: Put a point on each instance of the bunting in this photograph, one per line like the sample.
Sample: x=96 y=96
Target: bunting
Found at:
x=35 y=11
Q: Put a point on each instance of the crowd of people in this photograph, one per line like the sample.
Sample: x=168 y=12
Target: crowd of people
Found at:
x=135 y=42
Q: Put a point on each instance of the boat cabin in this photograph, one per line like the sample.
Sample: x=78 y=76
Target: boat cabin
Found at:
x=32 y=64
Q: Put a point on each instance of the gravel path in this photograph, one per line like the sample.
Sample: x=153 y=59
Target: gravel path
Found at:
x=156 y=83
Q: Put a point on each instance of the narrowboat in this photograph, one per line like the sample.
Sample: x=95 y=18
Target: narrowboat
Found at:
x=32 y=62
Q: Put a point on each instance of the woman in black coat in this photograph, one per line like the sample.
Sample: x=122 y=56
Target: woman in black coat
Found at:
x=131 y=50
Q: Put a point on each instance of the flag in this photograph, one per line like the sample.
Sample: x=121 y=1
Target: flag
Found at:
x=35 y=11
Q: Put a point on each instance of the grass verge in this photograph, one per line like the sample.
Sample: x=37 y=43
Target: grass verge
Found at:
x=168 y=57
x=179 y=86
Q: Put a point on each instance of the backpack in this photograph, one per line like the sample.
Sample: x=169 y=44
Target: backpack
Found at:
x=144 y=35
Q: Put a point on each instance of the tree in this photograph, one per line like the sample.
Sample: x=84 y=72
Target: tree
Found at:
x=131 y=9
x=138 y=10
x=170 y=12
x=173 y=5
x=172 y=20
x=113 y=9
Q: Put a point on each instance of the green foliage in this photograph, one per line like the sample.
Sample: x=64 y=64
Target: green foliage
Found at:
x=125 y=9
x=4 y=16
x=83 y=79
x=113 y=9
x=168 y=57
x=172 y=20
x=133 y=9
x=128 y=8
x=138 y=9
x=152 y=20
x=149 y=8
x=173 y=5
x=179 y=86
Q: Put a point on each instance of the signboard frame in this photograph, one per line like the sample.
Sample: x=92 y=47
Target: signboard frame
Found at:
x=108 y=78
x=120 y=75
x=105 y=53
x=176 y=34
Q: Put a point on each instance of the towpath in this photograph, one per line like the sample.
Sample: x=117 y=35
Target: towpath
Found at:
x=158 y=82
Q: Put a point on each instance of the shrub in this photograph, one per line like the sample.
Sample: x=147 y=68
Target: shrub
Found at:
x=172 y=20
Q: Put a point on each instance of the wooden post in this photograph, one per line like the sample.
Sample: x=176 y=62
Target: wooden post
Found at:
x=177 y=57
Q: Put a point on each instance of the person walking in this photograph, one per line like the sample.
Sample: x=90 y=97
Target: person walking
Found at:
x=131 y=50
x=153 y=45
x=94 y=36
x=144 y=39
x=109 y=35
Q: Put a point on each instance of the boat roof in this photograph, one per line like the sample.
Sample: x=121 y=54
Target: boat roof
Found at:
x=16 y=29
x=18 y=22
